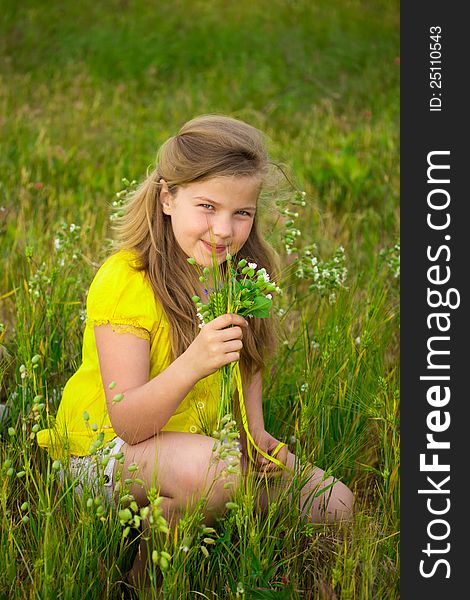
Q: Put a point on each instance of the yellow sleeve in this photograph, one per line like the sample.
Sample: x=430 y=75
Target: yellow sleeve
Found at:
x=122 y=297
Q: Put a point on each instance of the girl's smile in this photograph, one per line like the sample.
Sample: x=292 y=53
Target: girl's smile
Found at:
x=212 y=217
x=218 y=249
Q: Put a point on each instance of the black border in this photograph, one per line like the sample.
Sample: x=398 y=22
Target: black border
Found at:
x=423 y=131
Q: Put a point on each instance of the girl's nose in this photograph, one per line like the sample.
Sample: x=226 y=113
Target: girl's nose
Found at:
x=222 y=227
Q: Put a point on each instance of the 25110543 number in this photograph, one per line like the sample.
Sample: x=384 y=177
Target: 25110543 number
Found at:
x=435 y=68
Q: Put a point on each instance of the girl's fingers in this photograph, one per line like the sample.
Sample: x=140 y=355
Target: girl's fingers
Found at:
x=233 y=346
x=229 y=320
x=232 y=333
x=232 y=357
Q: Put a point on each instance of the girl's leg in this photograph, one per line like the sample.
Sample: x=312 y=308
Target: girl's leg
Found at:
x=320 y=499
x=182 y=468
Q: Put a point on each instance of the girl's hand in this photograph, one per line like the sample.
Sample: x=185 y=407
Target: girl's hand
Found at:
x=218 y=344
x=266 y=442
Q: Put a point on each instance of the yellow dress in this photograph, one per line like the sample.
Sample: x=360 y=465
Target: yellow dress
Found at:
x=124 y=298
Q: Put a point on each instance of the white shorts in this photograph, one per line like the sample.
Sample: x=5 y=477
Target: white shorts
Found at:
x=83 y=471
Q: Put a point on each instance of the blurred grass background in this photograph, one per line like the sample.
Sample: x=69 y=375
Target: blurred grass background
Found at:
x=89 y=90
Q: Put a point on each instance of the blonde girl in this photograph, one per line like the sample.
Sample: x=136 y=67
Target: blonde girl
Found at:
x=143 y=345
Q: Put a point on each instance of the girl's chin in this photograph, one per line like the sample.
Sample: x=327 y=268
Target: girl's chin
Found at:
x=209 y=262
x=205 y=259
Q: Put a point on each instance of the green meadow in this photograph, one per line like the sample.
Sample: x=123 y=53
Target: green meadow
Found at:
x=88 y=91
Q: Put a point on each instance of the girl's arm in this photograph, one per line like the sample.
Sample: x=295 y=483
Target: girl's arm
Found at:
x=148 y=405
x=253 y=393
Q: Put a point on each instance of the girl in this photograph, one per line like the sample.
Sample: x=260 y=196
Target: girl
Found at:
x=142 y=339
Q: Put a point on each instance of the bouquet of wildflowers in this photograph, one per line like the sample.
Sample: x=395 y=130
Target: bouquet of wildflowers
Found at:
x=245 y=290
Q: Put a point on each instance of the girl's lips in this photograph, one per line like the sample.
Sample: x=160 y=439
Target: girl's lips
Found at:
x=218 y=249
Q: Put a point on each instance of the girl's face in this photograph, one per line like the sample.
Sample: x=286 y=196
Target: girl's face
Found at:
x=212 y=215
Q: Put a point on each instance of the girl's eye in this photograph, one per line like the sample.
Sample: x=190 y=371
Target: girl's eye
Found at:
x=208 y=206
x=244 y=213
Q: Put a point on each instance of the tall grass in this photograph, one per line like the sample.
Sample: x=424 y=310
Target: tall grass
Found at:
x=87 y=93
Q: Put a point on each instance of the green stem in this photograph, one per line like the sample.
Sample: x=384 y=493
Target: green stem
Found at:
x=225 y=405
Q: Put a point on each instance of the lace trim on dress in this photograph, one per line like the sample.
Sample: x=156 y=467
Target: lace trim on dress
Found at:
x=140 y=332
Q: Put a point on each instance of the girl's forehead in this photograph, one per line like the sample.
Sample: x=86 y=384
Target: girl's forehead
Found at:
x=226 y=187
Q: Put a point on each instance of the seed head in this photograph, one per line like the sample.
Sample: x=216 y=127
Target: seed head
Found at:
x=124 y=515
x=164 y=564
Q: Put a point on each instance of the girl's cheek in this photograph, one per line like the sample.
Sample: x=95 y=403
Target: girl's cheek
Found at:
x=247 y=230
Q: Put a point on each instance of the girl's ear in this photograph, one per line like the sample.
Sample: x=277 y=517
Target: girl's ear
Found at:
x=165 y=197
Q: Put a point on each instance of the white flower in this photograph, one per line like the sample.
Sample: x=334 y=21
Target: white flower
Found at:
x=304 y=387
x=358 y=341
x=269 y=296
x=252 y=265
x=262 y=274
x=57 y=243
x=72 y=227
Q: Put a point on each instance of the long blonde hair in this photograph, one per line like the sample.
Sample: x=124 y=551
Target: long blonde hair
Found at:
x=207 y=146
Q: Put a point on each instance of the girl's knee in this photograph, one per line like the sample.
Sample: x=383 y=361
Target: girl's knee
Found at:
x=215 y=480
x=213 y=491
x=221 y=484
x=337 y=504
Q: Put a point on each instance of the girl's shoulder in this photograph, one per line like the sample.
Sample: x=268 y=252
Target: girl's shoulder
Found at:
x=119 y=269
x=118 y=288
x=125 y=257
